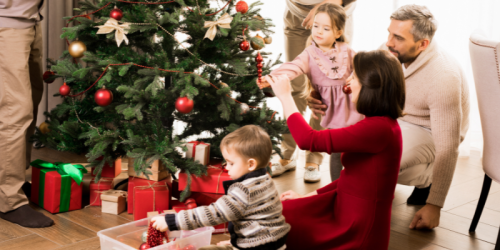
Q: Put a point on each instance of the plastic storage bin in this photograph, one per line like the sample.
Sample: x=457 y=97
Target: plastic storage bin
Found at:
x=128 y=237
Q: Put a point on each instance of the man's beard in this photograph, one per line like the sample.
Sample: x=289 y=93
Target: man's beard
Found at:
x=406 y=58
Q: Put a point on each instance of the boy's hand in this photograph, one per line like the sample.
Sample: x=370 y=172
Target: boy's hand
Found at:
x=224 y=243
x=159 y=223
x=263 y=83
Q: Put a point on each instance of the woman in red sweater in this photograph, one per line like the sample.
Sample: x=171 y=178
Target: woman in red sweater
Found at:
x=353 y=212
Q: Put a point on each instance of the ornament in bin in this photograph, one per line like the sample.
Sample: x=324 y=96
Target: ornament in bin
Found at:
x=116 y=14
x=144 y=246
x=77 y=48
x=64 y=90
x=47 y=74
x=103 y=97
x=242 y=7
x=184 y=105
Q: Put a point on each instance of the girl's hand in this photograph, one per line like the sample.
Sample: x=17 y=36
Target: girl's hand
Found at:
x=263 y=83
x=289 y=195
x=159 y=223
x=281 y=85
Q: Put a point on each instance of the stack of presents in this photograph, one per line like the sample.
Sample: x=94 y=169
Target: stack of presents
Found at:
x=62 y=187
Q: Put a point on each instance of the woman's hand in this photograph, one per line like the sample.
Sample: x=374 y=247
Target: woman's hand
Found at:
x=281 y=85
x=289 y=195
x=263 y=83
x=159 y=223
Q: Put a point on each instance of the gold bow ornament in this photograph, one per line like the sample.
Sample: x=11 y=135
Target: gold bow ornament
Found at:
x=223 y=22
x=120 y=30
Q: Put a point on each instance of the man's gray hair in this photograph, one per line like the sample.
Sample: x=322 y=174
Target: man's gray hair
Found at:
x=424 y=24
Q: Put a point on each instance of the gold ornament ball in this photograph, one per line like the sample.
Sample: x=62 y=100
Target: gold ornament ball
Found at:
x=44 y=128
x=76 y=49
x=268 y=40
x=256 y=46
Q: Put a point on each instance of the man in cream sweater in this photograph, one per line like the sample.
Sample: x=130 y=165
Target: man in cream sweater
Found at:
x=437 y=111
x=298 y=20
x=21 y=89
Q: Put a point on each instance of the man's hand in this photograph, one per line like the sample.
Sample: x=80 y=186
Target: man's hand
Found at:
x=309 y=20
x=315 y=104
x=159 y=223
x=426 y=218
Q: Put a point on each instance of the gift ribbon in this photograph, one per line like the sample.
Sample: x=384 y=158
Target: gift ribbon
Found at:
x=120 y=30
x=152 y=186
x=67 y=171
x=196 y=143
x=218 y=178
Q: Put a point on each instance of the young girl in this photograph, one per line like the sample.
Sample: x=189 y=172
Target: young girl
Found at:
x=327 y=62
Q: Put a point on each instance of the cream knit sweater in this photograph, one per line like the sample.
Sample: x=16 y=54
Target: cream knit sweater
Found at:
x=437 y=97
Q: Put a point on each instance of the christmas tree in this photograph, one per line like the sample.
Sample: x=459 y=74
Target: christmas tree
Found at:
x=128 y=76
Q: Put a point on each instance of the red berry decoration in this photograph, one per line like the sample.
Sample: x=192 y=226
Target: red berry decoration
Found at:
x=184 y=105
x=64 y=90
x=103 y=97
x=245 y=45
x=144 y=246
x=346 y=89
x=48 y=74
x=191 y=203
x=155 y=237
x=116 y=14
x=242 y=7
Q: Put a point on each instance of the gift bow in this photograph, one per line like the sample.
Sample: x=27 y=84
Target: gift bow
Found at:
x=196 y=143
x=223 y=22
x=112 y=25
x=74 y=171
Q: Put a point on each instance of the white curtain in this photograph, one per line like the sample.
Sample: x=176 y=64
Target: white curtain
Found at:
x=457 y=20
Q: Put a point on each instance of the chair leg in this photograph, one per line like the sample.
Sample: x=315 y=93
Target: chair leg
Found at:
x=480 y=205
x=497 y=245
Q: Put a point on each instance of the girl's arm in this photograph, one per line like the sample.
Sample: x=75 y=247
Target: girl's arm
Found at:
x=293 y=69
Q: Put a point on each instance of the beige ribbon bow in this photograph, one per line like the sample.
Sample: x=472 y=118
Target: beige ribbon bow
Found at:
x=112 y=25
x=223 y=22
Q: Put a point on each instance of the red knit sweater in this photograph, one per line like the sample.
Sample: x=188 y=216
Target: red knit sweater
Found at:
x=353 y=212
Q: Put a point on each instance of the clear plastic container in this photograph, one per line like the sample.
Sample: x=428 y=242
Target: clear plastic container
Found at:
x=129 y=237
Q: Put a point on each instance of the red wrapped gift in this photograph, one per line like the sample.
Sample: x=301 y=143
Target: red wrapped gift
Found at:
x=110 y=171
x=211 y=183
x=219 y=229
x=205 y=199
x=133 y=182
x=174 y=203
x=150 y=197
x=56 y=187
x=97 y=188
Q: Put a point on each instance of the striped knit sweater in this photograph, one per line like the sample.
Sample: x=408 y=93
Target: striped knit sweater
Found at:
x=437 y=97
x=251 y=205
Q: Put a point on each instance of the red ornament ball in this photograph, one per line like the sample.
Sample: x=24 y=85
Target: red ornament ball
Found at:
x=64 y=90
x=116 y=14
x=191 y=203
x=346 y=89
x=103 y=97
x=46 y=76
x=184 y=105
x=242 y=7
x=144 y=246
x=245 y=45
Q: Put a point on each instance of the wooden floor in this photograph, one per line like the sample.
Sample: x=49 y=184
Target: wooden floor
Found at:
x=77 y=230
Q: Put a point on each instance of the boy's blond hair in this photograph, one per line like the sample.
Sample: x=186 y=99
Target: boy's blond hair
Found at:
x=250 y=141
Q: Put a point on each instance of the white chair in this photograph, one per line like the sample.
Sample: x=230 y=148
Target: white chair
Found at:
x=485 y=61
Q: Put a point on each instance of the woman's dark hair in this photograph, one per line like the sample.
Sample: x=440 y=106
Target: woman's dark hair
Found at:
x=382 y=84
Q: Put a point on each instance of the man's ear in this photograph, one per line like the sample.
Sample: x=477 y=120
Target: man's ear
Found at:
x=423 y=44
x=252 y=164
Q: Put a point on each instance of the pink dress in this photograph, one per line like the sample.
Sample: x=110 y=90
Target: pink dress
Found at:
x=328 y=72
